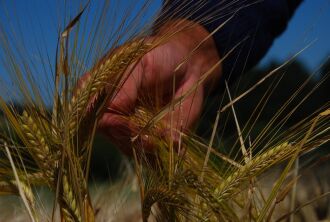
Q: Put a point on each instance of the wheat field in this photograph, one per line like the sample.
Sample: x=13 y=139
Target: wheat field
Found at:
x=46 y=144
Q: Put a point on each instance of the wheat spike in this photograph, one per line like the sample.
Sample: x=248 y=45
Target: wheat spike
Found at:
x=159 y=194
x=98 y=80
x=38 y=147
x=203 y=190
x=35 y=178
x=27 y=191
x=254 y=167
x=70 y=208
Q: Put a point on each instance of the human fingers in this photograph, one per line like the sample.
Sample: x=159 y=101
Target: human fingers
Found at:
x=154 y=70
x=121 y=132
x=187 y=106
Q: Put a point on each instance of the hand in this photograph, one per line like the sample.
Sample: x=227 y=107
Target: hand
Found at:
x=155 y=73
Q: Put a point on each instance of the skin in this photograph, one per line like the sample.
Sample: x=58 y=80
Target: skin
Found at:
x=153 y=72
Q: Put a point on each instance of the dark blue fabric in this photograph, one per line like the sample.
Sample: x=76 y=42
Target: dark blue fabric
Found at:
x=254 y=25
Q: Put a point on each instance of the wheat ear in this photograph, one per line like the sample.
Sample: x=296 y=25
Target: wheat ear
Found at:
x=113 y=66
x=254 y=167
x=38 y=147
x=160 y=194
x=69 y=209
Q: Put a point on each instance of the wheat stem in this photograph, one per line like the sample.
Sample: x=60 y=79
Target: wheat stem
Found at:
x=19 y=185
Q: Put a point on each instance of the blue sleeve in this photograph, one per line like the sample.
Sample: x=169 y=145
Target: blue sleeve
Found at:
x=253 y=25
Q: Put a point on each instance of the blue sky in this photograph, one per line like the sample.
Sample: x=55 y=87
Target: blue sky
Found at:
x=311 y=23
